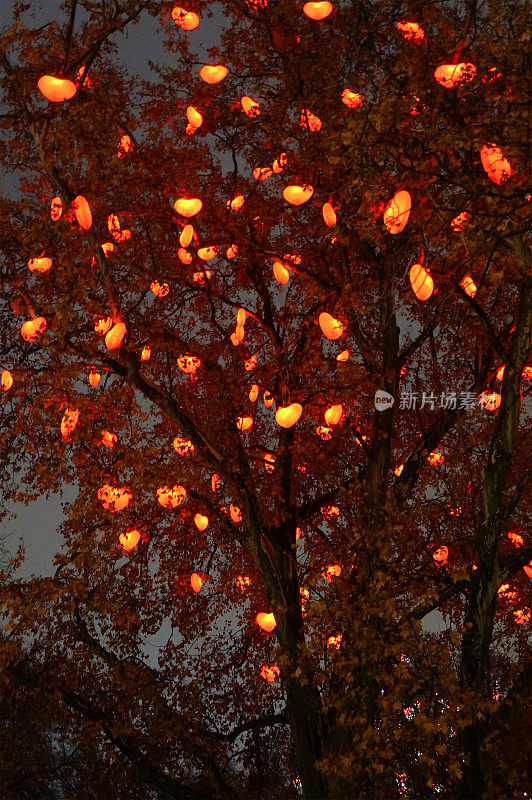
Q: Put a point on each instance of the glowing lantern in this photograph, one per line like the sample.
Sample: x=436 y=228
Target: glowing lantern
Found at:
x=208 y=253
x=333 y=571
x=250 y=364
x=94 y=378
x=451 y=75
x=244 y=423
x=270 y=674
x=253 y=393
x=329 y=215
x=232 y=250
x=103 y=325
x=269 y=462
x=113 y=499
x=333 y=414
x=517 y=540
x=441 y=555
x=196 y=582
x=41 y=264
x=201 y=522
x=351 y=99
x=146 y=353
x=397 y=471
x=32 y=329
x=56 y=89
x=489 y=401
x=114 y=337
x=288 y=415
x=82 y=212
x=235 y=514
x=184 y=256
x=159 y=289
x=331 y=328
x=309 y=121
x=265 y=621
x=343 y=356
x=171 y=498
x=236 y=203
x=262 y=173
x=6 y=381
x=421 y=282
x=528 y=569
x=267 y=399
x=130 y=539
x=188 y=206
x=56 y=209
x=317 y=11
x=115 y=229
x=188 y=364
x=411 y=31
x=522 y=615
x=195 y=117
x=201 y=277
x=186 y=235
x=243 y=582
x=397 y=212
x=458 y=222
x=324 y=432
x=468 y=285
x=213 y=73
x=215 y=482
x=250 y=107
x=297 y=195
x=508 y=594
x=183 y=447
x=280 y=163
x=124 y=145
x=526 y=374
x=280 y=273
x=435 y=459
x=497 y=167
x=108 y=247
x=109 y=439
x=186 y=20
x=335 y=641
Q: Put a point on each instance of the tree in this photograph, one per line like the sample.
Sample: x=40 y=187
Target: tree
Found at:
x=156 y=348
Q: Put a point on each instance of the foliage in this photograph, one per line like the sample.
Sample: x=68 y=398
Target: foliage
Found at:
x=133 y=678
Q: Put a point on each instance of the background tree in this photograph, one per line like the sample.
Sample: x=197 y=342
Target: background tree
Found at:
x=351 y=528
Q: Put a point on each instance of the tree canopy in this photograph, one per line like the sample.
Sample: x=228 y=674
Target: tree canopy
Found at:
x=267 y=308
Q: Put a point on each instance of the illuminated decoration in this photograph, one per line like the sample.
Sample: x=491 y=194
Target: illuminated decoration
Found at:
x=183 y=447
x=280 y=163
x=330 y=572
x=130 y=539
x=266 y=621
x=329 y=214
x=288 y=415
x=271 y=673
x=236 y=203
x=56 y=90
x=421 y=282
x=103 y=325
x=335 y=641
x=215 y=482
x=262 y=173
x=33 y=328
x=82 y=212
x=496 y=166
x=411 y=31
x=250 y=363
x=186 y=235
x=351 y=99
x=297 y=195
x=310 y=121
x=333 y=414
x=188 y=364
x=435 y=459
x=468 y=285
x=489 y=401
x=522 y=616
x=196 y=582
x=201 y=522
x=235 y=514
x=6 y=380
x=114 y=337
x=171 y=498
x=397 y=212
x=195 y=117
x=528 y=570
x=516 y=539
x=253 y=393
x=56 y=209
x=244 y=423
x=124 y=146
x=188 y=206
x=452 y=75
x=250 y=107
x=146 y=353
x=184 y=256
x=115 y=229
x=343 y=356
x=114 y=499
x=317 y=11
x=159 y=289
x=207 y=253
x=330 y=327
x=109 y=439
x=186 y=20
x=243 y=582
x=458 y=222
x=41 y=264
x=269 y=462
x=267 y=399
x=441 y=555
x=94 y=377
x=280 y=273
x=213 y=73
x=324 y=432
